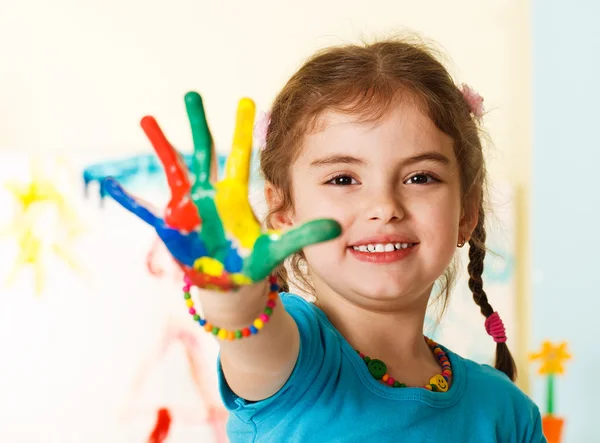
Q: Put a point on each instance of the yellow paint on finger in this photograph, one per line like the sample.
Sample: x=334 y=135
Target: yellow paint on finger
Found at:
x=238 y=163
x=236 y=213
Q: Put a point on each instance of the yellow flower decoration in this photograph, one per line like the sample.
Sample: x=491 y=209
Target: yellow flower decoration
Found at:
x=552 y=357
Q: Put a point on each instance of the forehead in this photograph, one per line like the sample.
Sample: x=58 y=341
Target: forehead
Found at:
x=404 y=130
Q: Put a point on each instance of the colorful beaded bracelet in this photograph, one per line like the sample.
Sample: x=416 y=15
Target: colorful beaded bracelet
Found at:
x=439 y=382
x=238 y=334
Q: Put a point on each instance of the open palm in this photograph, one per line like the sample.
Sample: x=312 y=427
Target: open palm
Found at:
x=209 y=229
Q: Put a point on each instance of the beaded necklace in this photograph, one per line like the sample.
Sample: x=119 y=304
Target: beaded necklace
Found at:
x=437 y=383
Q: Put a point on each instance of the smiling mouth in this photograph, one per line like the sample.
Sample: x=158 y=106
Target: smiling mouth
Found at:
x=382 y=247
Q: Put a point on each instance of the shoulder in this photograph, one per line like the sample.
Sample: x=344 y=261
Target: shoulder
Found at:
x=494 y=382
x=309 y=318
x=495 y=395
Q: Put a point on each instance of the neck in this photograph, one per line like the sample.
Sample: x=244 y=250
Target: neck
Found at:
x=395 y=334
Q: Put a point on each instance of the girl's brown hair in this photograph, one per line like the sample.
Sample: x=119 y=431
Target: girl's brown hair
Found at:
x=366 y=80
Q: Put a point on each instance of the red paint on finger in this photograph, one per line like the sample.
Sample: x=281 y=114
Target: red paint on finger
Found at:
x=181 y=213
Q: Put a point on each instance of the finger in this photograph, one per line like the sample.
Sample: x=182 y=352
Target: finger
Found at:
x=116 y=191
x=271 y=250
x=236 y=212
x=237 y=167
x=201 y=160
x=175 y=169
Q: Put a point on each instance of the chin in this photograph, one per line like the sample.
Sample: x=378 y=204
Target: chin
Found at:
x=382 y=289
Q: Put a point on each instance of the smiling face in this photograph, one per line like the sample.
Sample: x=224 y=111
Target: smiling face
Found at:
x=440 y=382
x=394 y=186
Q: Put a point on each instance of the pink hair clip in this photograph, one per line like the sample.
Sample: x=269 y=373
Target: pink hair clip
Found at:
x=261 y=128
x=474 y=100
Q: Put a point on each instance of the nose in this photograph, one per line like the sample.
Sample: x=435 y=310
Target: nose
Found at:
x=386 y=207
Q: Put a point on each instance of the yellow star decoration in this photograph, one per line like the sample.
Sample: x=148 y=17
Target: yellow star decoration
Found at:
x=552 y=357
x=43 y=223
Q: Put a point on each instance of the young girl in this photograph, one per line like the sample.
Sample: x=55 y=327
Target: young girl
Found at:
x=374 y=177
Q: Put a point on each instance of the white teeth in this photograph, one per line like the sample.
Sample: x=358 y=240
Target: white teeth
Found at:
x=380 y=247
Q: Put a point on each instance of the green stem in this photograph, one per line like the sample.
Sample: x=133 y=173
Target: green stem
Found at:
x=550 y=394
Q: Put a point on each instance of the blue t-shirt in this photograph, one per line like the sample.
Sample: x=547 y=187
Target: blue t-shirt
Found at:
x=331 y=397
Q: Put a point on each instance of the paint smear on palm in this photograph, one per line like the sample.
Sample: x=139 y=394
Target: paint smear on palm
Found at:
x=232 y=192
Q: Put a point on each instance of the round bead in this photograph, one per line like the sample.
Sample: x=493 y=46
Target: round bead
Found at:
x=367 y=359
x=269 y=311
x=192 y=311
x=253 y=330
x=271 y=304
x=238 y=334
x=208 y=327
x=272 y=279
x=397 y=384
x=385 y=378
x=202 y=321
x=273 y=296
x=189 y=302
x=246 y=332
x=377 y=368
x=215 y=330
x=274 y=287
x=264 y=318
x=231 y=336
x=391 y=381
x=428 y=387
x=187 y=296
x=258 y=323
x=223 y=334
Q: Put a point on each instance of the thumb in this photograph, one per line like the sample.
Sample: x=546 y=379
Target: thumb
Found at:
x=271 y=249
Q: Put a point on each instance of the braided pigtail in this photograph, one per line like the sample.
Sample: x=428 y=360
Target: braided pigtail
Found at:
x=493 y=323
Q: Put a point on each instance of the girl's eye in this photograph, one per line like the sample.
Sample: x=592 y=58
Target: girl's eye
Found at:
x=342 y=180
x=421 y=179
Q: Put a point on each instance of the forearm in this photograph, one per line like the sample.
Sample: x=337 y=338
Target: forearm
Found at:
x=258 y=366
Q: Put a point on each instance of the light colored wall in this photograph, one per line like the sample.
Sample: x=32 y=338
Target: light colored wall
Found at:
x=77 y=76
x=565 y=204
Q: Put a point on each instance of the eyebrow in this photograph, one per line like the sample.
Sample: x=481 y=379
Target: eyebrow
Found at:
x=337 y=159
x=429 y=156
x=350 y=160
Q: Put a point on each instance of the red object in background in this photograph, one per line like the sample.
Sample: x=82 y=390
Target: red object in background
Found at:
x=161 y=429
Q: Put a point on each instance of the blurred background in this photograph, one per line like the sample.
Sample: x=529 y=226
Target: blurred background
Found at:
x=95 y=345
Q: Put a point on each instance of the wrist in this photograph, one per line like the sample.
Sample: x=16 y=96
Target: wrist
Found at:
x=244 y=311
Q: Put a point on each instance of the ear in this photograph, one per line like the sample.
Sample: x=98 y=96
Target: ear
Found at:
x=469 y=219
x=279 y=219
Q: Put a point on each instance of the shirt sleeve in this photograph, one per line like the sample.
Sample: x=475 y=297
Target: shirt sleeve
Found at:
x=307 y=374
x=536 y=433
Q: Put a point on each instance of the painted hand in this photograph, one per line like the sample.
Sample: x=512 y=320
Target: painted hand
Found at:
x=209 y=229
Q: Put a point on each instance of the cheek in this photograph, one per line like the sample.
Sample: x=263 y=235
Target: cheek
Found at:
x=315 y=202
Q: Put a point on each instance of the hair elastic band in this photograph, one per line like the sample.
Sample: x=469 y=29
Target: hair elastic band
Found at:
x=495 y=327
